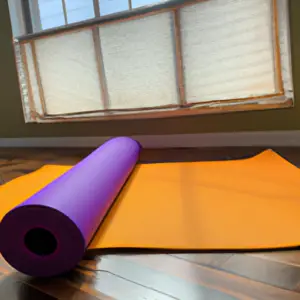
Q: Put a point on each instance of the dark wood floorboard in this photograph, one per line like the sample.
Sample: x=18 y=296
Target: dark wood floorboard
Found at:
x=268 y=275
x=170 y=285
x=212 y=260
x=230 y=284
x=273 y=273
x=11 y=289
x=287 y=257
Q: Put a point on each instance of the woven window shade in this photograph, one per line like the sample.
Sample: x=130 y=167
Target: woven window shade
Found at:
x=227 y=50
x=68 y=71
x=139 y=62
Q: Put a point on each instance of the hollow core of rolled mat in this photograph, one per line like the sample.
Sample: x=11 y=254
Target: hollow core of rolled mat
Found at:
x=48 y=233
x=247 y=204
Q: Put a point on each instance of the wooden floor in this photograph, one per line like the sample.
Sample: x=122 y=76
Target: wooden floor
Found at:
x=155 y=276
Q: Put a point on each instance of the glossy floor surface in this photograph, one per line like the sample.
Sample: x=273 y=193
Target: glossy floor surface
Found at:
x=149 y=276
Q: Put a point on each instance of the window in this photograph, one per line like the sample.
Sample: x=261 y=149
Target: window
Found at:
x=46 y=14
x=81 y=60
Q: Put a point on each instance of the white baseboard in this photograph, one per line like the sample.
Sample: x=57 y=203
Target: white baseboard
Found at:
x=232 y=139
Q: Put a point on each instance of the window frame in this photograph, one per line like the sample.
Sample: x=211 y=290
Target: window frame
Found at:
x=280 y=99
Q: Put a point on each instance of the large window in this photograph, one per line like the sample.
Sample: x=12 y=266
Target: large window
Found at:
x=81 y=60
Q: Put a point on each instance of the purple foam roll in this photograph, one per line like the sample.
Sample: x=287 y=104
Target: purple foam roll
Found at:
x=48 y=234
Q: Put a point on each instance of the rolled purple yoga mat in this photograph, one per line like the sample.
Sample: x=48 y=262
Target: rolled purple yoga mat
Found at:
x=48 y=234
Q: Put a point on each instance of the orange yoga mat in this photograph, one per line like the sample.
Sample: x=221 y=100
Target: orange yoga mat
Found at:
x=241 y=204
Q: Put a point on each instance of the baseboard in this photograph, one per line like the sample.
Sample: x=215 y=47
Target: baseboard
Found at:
x=232 y=139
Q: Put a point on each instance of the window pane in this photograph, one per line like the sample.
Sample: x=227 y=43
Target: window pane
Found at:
x=69 y=72
x=112 y=6
x=139 y=3
x=51 y=13
x=139 y=62
x=79 y=10
x=227 y=49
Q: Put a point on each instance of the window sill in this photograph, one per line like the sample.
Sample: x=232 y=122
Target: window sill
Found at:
x=213 y=107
